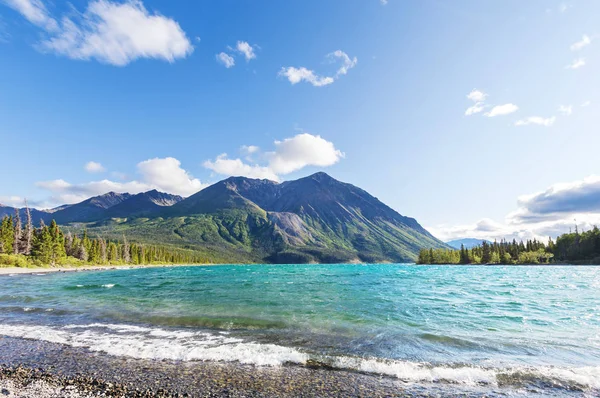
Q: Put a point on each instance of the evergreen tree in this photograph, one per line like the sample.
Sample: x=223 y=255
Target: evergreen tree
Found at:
x=7 y=235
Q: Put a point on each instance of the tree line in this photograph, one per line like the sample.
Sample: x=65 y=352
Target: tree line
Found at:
x=573 y=247
x=22 y=244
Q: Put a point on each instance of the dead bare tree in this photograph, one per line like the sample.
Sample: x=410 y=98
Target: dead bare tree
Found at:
x=18 y=233
x=28 y=236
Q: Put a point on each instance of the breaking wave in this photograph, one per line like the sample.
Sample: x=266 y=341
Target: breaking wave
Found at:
x=188 y=345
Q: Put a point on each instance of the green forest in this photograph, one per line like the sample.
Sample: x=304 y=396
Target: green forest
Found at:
x=572 y=248
x=23 y=245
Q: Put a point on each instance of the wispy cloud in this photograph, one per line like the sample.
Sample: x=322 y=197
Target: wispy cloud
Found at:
x=246 y=49
x=584 y=42
x=566 y=110
x=297 y=75
x=576 y=64
x=536 y=120
x=35 y=12
x=94 y=167
x=478 y=97
x=477 y=108
x=225 y=59
x=502 y=110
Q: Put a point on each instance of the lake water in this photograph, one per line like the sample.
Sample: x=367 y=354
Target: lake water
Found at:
x=516 y=328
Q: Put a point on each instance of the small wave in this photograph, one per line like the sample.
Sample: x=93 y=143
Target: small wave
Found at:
x=105 y=286
x=187 y=345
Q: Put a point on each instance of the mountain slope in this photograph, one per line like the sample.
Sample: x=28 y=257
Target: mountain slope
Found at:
x=313 y=219
x=143 y=204
x=36 y=215
x=92 y=209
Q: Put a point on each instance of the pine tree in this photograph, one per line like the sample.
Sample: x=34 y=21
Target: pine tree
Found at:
x=7 y=235
x=42 y=247
x=486 y=253
x=58 y=253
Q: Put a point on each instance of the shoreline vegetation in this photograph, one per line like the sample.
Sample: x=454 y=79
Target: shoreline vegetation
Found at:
x=24 y=246
x=576 y=248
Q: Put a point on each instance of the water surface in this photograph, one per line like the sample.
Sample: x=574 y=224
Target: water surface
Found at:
x=516 y=327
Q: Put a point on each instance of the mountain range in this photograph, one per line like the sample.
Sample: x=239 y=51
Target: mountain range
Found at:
x=312 y=219
x=468 y=243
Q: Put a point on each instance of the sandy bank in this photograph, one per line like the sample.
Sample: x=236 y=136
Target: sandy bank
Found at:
x=41 y=270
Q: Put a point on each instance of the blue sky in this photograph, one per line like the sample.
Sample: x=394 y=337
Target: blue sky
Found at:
x=178 y=95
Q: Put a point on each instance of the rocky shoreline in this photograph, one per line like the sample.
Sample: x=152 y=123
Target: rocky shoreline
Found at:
x=31 y=368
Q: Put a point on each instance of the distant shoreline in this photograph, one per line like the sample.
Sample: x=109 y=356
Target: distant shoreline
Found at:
x=7 y=271
x=41 y=270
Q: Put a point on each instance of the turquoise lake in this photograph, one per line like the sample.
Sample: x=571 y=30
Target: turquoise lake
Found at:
x=499 y=326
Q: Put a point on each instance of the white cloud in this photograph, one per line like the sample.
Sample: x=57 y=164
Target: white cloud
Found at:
x=586 y=103
x=163 y=174
x=478 y=107
x=249 y=149
x=383 y=2
x=236 y=167
x=12 y=201
x=585 y=41
x=538 y=120
x=246 y=49
x=297 y=75
x=166 y=174
x=35 y=12
x=289 y=155
x=302 y=150
x=551 y=212
x=576 y=64
x=347 y=62
x=118 y=33
x=566 y=110
x=225 y=59
x=501 y=110
x=477 y=95
x=564 y=7
x=94 y=167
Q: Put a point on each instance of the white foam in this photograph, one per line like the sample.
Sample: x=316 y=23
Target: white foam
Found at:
x=184 y=345
x=109 y=286
x=147 y=343
x=417 y=372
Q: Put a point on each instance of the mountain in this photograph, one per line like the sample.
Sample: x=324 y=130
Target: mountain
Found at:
x=313 y=219
x=469 y=243
x=102 y=207
x=92 y=209
x=36 y=215
x=242 y=220
x=142 y=204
